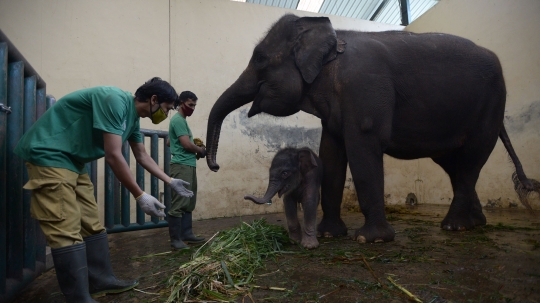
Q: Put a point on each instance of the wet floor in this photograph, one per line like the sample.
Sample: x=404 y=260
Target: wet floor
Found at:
x=496 y=263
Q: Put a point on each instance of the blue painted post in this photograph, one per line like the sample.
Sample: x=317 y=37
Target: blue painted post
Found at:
x=126 y=220
x=154 y=185
x=109 y=197
x=14 y=167
x=3 y=195
x=29 y=114
x=140 y=180
x=41 y=242
x=166 y=169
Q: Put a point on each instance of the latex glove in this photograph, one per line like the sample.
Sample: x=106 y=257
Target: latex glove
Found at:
x=148 y=204
x=179 y=187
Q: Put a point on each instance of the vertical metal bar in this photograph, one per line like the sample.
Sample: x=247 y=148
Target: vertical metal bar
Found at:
x=15 y=170
x=109 y=196
x=154 y=185
x=49 y=101
x=29 y=113
x=126 y=220
x=405 y=12
x=116 y=200
x=93 y=177
x=3 y=176
x=41 y=242
x=140 y=180
x=41 y=105
x=166 y=168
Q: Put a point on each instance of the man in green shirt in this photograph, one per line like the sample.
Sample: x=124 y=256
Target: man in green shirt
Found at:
x=183 y=165
x=81 y=127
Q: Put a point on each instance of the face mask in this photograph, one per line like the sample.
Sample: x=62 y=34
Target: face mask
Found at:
x=158 y=116
x=187 y=110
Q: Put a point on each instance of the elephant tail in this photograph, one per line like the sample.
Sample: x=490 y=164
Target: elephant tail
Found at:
x=522 y=185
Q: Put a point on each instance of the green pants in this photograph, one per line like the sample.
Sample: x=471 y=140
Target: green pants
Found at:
x=179 y=204
x=63 y=202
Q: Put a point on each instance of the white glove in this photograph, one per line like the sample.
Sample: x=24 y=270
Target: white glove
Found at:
x=179 y=186
x=148 y=204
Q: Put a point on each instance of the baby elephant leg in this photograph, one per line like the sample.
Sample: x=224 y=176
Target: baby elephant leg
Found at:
x=309 y=237
x=291 y=209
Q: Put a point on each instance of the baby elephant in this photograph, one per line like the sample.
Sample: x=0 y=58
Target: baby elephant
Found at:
x=296 y=174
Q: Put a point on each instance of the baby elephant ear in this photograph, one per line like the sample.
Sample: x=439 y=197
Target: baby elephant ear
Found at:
x=307 y=160
x=315 y=45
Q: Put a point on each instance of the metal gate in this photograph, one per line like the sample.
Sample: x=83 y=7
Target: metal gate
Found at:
x=23 y=100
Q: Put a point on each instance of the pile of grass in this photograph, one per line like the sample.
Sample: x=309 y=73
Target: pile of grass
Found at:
x=222 y=268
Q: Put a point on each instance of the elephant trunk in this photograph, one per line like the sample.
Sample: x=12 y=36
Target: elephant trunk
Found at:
x=241 y=92
x=273 y=188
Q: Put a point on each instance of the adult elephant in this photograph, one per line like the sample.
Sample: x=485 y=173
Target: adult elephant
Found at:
x=398 y=93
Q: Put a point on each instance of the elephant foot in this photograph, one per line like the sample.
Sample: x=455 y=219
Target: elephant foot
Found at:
x=295 y=236
x=463 y=221
x=331 y=228
x=310 y=242
x=375 y=233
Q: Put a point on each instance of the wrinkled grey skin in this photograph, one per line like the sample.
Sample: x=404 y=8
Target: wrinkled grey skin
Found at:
x=296 y=174
x=398 y=93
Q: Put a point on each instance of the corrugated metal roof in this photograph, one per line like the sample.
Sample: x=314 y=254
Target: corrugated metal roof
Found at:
x=384 y=11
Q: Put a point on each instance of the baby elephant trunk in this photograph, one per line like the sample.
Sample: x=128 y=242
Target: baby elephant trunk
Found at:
x=273 y=188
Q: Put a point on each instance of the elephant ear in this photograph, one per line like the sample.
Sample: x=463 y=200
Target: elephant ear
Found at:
x=307 y=160
x=315 y=45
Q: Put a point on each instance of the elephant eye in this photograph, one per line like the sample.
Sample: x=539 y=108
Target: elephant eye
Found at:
x=285 y=174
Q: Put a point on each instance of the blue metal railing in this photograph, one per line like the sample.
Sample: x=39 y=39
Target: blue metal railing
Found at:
x=118 y=199
x=22 y=100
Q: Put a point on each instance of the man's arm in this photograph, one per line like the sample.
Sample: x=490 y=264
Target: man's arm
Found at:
x=113 y=156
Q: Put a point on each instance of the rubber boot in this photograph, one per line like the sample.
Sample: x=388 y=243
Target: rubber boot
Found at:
x=72 y=272
x=175 y=233
x=187 y=229
x=101 y=278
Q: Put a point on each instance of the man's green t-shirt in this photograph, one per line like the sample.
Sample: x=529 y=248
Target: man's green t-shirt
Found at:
x=70 y=133
x=179 y=127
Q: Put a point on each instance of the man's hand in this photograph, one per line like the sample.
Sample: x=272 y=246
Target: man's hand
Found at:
x=201 y=155
x=148 y=204
x=179 y=186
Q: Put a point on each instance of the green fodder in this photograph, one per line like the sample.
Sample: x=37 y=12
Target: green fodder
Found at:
x=223 y=268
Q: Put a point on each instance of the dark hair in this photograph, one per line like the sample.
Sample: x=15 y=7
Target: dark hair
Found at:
x=155 y=86
x=184 y=96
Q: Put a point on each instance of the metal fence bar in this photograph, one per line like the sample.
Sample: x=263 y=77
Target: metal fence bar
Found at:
x=125 y=199
x=41 y=242
x=3 y=176
x=29 y=113
x=14 y=166
x=140 y=181
x=22 y=100
x=154 y=184
x=109 y=196
x=166 y=169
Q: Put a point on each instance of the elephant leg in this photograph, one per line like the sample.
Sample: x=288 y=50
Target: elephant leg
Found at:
x=291 y=213
x=334 y=158
x=309 y=205
x=368 y=176
x=465 y=210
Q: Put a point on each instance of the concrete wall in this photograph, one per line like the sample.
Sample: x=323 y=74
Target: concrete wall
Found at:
x=197 y=45
x=510 y=29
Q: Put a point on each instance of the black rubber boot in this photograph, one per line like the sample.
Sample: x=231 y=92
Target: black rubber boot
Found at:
x=175 y=233
x=101 y=278
x=187 y=229
x=72 y=272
